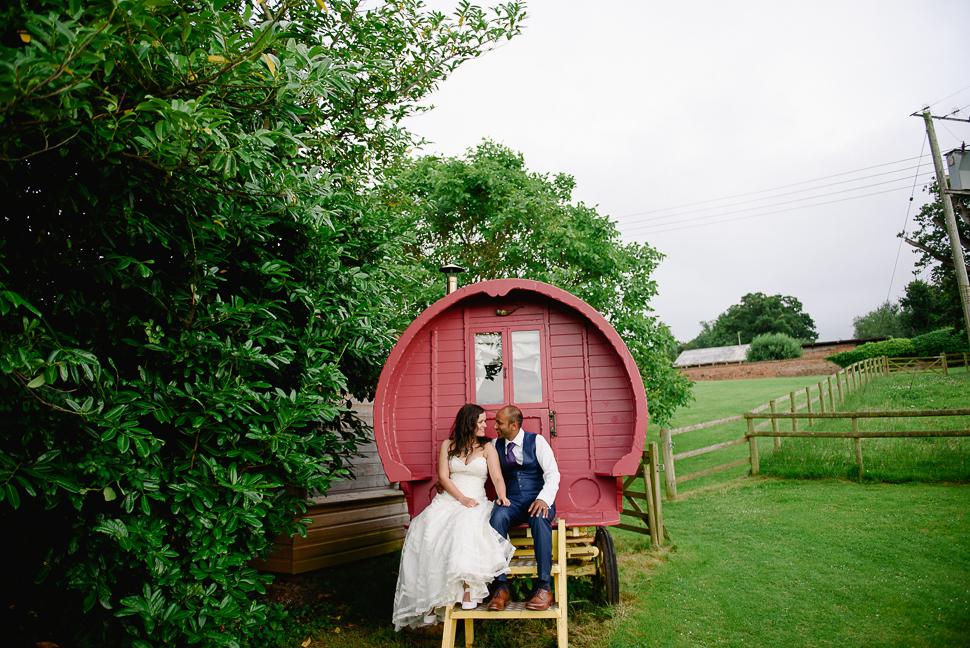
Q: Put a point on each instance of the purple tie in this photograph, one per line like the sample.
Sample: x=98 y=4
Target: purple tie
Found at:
x=508 y=454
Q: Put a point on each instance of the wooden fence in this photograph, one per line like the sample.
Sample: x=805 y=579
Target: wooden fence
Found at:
x=818 y=401
x=856 y=434
x=833 y=387
x=935 y=364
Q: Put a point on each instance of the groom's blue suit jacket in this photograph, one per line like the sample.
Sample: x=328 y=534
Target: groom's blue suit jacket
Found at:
x=522 y=482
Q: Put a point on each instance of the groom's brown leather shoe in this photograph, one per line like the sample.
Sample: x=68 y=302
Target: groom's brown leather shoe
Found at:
x=540 y=601
x=499 y=601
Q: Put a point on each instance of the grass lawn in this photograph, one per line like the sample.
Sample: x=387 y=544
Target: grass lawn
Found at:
x=803 y=563
x=886 y=460
x=896 y=460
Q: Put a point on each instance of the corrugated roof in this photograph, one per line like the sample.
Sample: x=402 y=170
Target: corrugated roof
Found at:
x=736 y=353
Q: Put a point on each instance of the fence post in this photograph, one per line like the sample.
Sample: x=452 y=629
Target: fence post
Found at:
x=753 y=445
x=670 y=477
x=885 y=365
x=774 y=424
x=657 y=525
x=851 y=370
x=808 y=393
x=944 y=364
x=857 y=444
x=794 y=408
x=838 y=382
x=831 y=395
x=821 y=399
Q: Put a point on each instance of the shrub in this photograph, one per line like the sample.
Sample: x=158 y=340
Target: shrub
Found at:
x=192 y=282
x=891 y=348
x=944 y=340
x=774 y=346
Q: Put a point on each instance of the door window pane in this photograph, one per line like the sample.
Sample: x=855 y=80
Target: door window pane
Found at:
x=526 y=367
x=488 y=369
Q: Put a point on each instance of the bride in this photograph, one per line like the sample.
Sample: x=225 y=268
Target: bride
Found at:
x=451 y=552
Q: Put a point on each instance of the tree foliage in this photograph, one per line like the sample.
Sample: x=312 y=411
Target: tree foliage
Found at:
x=488 y=213
x=193 y=279
x=932 y=243
x=925 y=307
x=883 y=321
x=920 y=308
x=931 y=239
x=757 y=314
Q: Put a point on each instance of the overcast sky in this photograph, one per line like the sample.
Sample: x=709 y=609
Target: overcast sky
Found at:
x=664 y=110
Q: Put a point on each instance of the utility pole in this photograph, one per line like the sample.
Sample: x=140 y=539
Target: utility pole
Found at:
x=959 y=264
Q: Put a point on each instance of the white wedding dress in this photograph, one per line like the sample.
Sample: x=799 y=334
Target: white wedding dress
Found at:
x=447 y=546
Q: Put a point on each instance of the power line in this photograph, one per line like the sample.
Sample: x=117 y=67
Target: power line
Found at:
x=786 y=202
x=752 y=193
x=905 y=223
x=947 y=97
x=790 y=193
x=780 y=211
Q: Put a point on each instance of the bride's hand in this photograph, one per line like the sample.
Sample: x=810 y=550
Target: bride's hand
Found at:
x=503 y=501
x=467 y=501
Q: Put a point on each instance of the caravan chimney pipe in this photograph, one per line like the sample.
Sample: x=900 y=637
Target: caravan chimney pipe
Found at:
x=452 y=271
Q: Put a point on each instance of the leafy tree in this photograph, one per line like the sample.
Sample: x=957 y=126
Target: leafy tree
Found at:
x=757 y=314
x=920 y=308
x=773 y=346
x=488 y=213
x=932 y=243
x=883 y=321
x=193 y=279
x=705 y=340
x=931 y=240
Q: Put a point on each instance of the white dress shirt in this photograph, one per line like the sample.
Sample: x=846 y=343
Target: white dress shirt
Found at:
x=547 y=461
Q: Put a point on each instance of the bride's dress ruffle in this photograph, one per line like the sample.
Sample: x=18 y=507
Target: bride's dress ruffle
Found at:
x=449 y=545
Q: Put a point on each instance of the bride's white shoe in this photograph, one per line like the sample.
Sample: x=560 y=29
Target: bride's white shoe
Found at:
x=431 y=619
x=468 y=605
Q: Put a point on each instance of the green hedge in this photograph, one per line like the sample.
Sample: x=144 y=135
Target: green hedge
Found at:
x=944 y=340
x=892 y=348
x=774 y=346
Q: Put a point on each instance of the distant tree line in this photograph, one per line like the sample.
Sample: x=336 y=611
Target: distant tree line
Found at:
x=757 y=314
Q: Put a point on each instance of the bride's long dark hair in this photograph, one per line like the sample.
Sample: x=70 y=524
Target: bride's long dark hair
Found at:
x=463 y=437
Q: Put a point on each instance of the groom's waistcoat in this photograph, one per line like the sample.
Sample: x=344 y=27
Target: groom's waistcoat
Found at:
x=522 y=481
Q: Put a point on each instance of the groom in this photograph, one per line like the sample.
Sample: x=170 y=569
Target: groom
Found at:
x=531 y=482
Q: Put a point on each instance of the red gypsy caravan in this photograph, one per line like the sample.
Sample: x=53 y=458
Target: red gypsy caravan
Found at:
x=535 y=346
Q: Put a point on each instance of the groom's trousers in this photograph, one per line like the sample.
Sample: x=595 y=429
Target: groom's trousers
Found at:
x=505 y=517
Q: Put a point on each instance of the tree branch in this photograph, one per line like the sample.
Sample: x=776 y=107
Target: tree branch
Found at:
x=944 y=259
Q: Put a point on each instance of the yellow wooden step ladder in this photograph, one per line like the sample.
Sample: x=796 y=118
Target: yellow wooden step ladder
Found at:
x=523 y=564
